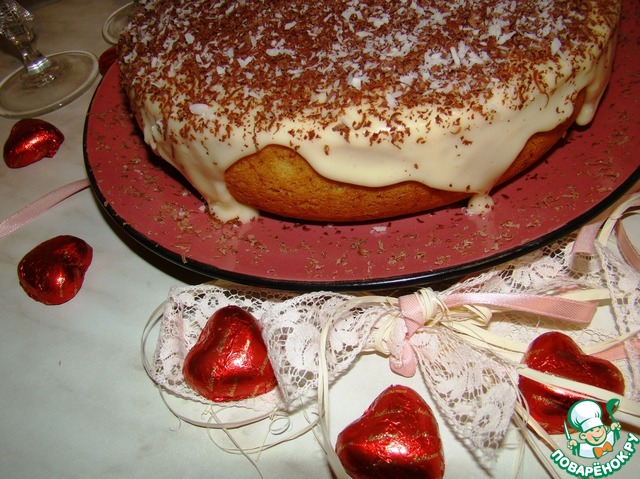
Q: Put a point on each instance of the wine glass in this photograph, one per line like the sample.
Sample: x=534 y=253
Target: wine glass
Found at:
x=45 y=83
x=116 y=22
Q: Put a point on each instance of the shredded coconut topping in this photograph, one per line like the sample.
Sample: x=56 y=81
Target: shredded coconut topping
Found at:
x=281 y=58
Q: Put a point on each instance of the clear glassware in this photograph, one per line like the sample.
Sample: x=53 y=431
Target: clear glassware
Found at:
x=45 y=83
x=116 y=23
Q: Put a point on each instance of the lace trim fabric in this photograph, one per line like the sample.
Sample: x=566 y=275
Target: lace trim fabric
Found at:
x=473 y=384
x=186 y=312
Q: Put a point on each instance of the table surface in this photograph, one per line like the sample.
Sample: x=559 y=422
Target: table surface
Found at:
x=75 y=400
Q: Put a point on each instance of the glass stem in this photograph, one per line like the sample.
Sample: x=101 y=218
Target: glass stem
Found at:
x=16 y=26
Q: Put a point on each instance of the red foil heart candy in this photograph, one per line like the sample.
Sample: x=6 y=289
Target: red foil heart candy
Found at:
x=396 y=437
x=229 y=360
x=31 y=140
x=556 y=353
x=53 y=272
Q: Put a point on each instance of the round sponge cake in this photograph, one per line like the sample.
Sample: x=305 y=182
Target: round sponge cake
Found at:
x=339 y=110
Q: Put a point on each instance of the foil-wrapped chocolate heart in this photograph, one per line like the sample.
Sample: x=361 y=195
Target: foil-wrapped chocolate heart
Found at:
x=556 y=353
x=396 y=437
x=53 y=272
x=229 y=361
x=31 y=140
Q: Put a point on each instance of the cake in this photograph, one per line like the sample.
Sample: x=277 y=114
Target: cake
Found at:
x=344 y=110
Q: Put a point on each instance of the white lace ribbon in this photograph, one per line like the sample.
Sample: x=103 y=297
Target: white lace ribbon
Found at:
x=466 y=341
x=414 y=331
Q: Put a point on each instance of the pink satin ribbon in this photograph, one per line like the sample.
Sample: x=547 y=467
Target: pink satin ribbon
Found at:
x=586 y=239
x=39 y=206
x=627 y=249
x=579 y=312
x=585 y=243
x=618 y=351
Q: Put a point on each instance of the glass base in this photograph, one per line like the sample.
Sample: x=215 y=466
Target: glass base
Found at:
x=74 y=72
x=116 y=22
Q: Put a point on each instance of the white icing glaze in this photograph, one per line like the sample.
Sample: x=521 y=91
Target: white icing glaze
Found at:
x=479 y=204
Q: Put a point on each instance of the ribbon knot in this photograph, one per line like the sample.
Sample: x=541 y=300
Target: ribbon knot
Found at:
x=422 y=308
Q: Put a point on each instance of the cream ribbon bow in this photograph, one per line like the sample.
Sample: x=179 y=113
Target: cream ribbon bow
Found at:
x=426 y=308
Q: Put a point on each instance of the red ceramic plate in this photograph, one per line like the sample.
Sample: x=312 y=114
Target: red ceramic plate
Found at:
x=592 y=168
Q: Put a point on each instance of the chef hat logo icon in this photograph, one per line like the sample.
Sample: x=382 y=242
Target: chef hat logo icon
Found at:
x=585 y=415
x=596 y=439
